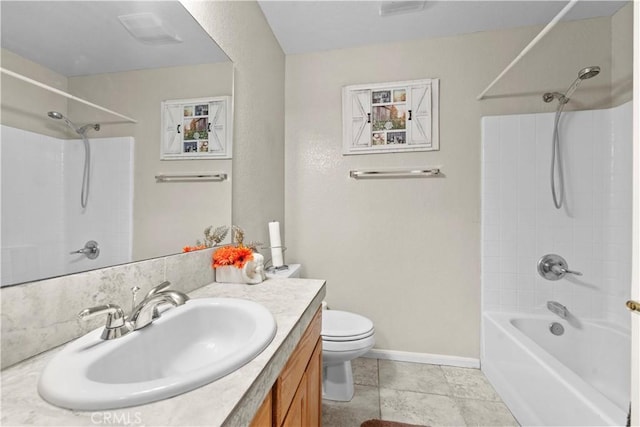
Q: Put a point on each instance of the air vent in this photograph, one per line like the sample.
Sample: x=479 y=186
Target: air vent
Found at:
x=148 y=28
x=388 y=8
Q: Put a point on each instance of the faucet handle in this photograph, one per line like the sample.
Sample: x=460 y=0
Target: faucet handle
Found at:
x=161 y=287
x=554 y=267
x=115 y=327
x=575 y=273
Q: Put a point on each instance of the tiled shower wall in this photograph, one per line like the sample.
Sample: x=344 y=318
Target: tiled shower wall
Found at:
x=42 y=217
x=592 y=231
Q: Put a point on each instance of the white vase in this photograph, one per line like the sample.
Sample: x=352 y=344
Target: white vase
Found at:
x=252 y=273
x=229 y=274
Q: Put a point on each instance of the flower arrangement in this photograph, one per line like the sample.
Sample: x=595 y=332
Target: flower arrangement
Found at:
x=211 y=239
x=236 y=256
x=193 y=248
x=238 y=263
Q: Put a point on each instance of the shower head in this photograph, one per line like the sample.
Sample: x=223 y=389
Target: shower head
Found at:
x=584 y=74
x=79 y=130
x=55 y=115
x=587 y=73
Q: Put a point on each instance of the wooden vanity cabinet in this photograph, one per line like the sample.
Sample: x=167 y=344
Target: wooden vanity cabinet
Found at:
x=296 y=397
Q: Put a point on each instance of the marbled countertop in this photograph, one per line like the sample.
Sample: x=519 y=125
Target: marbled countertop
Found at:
x=230 y=401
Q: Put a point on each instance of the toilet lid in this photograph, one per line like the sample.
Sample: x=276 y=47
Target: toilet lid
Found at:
x=344 y=326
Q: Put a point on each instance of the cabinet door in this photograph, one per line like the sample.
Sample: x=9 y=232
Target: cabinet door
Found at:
x=263 y=417
x=314 y=388
x=420 y=122
x=298 y=411
x=172 y=132
x=288 y=382
x=357 y=120
x=217 y=126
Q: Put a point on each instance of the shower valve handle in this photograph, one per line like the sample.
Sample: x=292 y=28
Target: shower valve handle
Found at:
x=90 y=250
x=554 y=267
x=565 y=271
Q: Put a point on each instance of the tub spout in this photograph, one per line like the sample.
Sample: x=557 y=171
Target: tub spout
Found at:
x=557 y=308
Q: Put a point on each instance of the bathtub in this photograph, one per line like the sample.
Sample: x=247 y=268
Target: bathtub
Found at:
x=578 y=378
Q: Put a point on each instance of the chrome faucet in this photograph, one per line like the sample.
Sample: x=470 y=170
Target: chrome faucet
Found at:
x=147 y=311
x=557 y=308
x=141 y=315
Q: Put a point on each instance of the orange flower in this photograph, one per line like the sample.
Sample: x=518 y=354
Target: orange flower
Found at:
x=193 y=248
x=232 y=255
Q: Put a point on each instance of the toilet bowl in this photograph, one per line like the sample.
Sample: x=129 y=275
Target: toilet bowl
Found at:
x=345 y=336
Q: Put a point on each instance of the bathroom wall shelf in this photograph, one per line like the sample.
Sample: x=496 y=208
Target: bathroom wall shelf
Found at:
x=197 y=128
x=395 y=173
x=192 y=177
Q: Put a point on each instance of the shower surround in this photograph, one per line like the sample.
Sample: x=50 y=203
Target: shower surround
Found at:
x=47 y=221
x=592 y=231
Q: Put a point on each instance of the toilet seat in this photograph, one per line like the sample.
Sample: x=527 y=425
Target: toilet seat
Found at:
x=342 y=326
x=346 y=346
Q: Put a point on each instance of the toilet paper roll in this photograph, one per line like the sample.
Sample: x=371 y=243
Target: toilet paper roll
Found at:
x=276 y=244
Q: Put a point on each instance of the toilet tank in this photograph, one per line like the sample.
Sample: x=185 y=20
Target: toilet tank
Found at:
x=291 y=273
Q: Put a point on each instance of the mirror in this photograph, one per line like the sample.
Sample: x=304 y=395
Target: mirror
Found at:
x=88 y=49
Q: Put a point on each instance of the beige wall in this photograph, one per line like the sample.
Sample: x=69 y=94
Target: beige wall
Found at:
x=622 y=55
x=241 y=30
x=406 y=253
x=167 y=216
x=25 y=106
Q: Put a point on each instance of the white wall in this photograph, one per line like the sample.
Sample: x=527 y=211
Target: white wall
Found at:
x=42 y=217
x=593 y=229
x=32 y=205
x=108 y=217
x=241 y=30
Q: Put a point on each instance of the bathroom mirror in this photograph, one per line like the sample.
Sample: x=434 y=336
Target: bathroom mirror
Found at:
x=128 y=57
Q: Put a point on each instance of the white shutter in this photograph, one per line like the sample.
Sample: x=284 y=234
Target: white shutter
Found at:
x=172 y=134
x=217 y=126
x=360 y=129
x=420 y=123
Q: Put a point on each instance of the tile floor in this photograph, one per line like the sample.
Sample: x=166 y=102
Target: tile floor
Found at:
x=416 y=393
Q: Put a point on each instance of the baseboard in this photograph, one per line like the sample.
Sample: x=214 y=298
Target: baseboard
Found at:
x=431 y=359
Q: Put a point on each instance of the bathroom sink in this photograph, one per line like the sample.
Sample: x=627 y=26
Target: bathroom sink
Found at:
x=187 y=347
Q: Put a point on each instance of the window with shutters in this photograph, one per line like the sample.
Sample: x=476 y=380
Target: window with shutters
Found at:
x=196 y=128
x=390 y=117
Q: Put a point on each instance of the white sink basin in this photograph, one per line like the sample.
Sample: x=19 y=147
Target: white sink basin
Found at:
x=187 y=347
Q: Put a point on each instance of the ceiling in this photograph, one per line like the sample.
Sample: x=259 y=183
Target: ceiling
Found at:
x=309 y=26
x=76 y=38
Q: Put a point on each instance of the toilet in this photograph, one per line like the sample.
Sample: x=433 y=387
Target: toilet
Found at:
x=345 y=336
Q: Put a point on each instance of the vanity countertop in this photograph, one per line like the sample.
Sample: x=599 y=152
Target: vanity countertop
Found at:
x=231 y=400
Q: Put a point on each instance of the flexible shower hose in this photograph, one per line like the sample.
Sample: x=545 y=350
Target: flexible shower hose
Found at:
x=558 y=197
x=84 y=195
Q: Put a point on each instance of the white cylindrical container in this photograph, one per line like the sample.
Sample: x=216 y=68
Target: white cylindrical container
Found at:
x=276 y=244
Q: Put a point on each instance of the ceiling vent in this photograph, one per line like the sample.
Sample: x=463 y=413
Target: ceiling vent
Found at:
x=149 y=29
x=388 y=8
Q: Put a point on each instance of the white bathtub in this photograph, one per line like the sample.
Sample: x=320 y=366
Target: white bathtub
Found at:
x=578 y=378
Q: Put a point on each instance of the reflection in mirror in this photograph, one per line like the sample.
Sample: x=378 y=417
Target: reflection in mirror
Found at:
x=78 y=186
